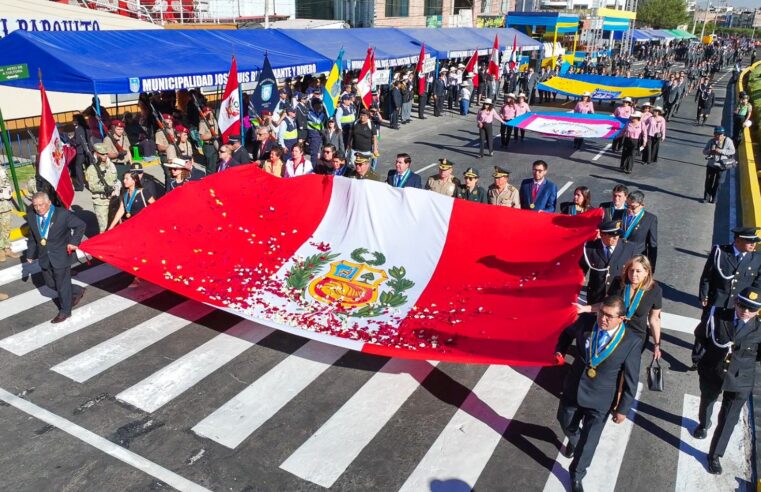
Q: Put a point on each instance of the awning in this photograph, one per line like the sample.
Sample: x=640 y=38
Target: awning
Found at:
x=123 y=62
x=661 y=34
x=682 y=34
x=641 y=36
x=505 y=37
x=565 y=23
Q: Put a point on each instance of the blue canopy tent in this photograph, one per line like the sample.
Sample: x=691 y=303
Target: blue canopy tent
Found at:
x=641 y=36
x=392 y=46
x=461 y=42
x=151 y=60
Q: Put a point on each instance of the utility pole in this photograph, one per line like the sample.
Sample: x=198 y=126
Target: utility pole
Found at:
x=266 y=14
x=705 y=19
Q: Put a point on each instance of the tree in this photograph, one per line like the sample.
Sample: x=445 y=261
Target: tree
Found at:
x=662 y=14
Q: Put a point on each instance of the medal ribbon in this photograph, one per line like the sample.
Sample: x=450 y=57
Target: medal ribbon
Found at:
x=400 y=181
x=630 y=304
x=573 y=209
x=595 y=358
x=632 y=222
x=43 y=223
x=128 y=205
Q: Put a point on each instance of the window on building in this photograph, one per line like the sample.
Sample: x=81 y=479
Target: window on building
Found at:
x=504 y=7
x=485 y=6
x=397 y=8
x=434 y=7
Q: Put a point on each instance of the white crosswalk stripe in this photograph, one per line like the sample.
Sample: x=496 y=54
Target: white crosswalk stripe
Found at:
x=87 y=315
x=33 y=298
x=168 y=383
x=330 y=450
x=234 y=421
x=107 y=354
x=23 y=269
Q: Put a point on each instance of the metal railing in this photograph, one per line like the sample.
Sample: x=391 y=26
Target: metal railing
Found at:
x=158 y=11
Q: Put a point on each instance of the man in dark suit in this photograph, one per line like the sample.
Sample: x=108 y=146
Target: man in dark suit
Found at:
x=439 y=92
x=240 y=155
x=604 y=259
x=530 y=84
x=396 y=105
x=727 y=342
x=589 y=390
x=616 y=207
x=539 y=193
x=731 y=268
x=641 y=227
x=402 y=176
x=55 y=235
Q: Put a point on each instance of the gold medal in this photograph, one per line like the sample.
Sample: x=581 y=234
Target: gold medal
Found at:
x=531 y=206
x=591 y=372
x=43 y=241
x=128 y=215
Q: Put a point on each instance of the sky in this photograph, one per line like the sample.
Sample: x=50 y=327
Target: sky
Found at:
x=741 y=3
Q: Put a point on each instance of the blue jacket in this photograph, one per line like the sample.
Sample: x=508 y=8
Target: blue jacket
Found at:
x=413 y=181
x=546 y=199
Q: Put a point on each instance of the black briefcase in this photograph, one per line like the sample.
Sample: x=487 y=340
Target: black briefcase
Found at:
x=654 y=376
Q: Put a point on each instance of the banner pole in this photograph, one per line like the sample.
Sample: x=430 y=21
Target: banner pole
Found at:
x=9 y=154
x=99 y=117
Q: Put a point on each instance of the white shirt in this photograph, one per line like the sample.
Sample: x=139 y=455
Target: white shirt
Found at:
x=305 y=168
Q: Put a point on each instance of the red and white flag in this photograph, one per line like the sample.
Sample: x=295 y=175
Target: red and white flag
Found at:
x=359 y=268
x=421 y=77
x=472 y=67
x=229 y=110
x=514 y=54
x=54 y=155
x=365 y=84
x=494 y=59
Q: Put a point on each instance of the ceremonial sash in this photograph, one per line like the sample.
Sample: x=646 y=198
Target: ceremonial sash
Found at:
x=43 y=223
x=401 y=180
x=630 y=304
x=632 y=222
x=596 y=357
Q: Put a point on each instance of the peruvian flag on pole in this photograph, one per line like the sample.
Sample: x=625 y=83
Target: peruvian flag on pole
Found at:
x=229 y=110
x=494 y=60
x=359 y=269
x=471 y=67
x=514 y=55
x=365 y=84
x=54 y=155
x=421 y=77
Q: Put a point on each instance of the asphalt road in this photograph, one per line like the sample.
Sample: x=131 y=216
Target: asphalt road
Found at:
x=142 y=390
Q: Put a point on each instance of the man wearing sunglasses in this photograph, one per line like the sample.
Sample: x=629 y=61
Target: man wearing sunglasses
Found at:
x=640 y=227
x=726 y=349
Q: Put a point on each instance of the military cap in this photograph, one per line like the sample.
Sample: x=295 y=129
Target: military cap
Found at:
x=750 y=297
x=175 y=164
x=747 y=234
x=100 y=148
x=283 y=91
x=136 y=167
x=346 y=97
x=445 y=164
x=361 y=159
x=117 y=123
x=233 y=139
x=180 y=129
x=290 y=109
x=167 y=117
x=610 y=227
x=500 y=172
x=470 y=173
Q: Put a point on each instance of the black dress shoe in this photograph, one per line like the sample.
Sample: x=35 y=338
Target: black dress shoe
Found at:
x=700 y=432
x=714 y=466
x=576 y=486
x=60 y=318
x=78 y=298
x=569 y=450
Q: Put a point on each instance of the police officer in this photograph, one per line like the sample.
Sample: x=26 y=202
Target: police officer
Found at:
x=501 y=192
x=288 y=130
x=730 y=268
x=316 y=122
x=640 y=227
x=444 y=182
x=470 y=190
x=603 y=259
x=103 y=182
x=345 y=117
x=727 y=342
x=118 y=146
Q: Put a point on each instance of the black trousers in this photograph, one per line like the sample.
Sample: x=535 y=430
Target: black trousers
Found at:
x=504 y=135
x=77 y=173
x=577 y=143
x=486 y=136
x=713 y=179
x=651 y=150
x=731 y=405
x=627 y=154
x=617 y=143
x=585 y=439
x=59 y=280
x=423 y=99
x=394 y=118
x=438 y=105
x=212 y=156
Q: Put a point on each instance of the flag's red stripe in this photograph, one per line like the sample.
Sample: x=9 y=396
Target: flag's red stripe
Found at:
x=47 y=123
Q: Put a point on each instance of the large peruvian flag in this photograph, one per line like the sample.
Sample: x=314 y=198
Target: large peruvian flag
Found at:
x=229 y=110
x=54 y=155
x=494 y=59
x=421 y=76
x=394 y=272
x=471 y=67
x=514 y=54
x=365 y=84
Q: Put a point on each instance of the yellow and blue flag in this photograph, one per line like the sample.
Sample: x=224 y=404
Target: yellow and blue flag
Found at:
x=332 y=88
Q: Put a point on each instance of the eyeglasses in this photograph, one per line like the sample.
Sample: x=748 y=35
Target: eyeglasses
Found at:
x=469 y=179
x=746 y=308
x=608 y=316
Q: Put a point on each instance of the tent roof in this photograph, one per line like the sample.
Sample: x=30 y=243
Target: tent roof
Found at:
x=565 y=22
x=661 y=34
x=641 y=35
x=152 y=60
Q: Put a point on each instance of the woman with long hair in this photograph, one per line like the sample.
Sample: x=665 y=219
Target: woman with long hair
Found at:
x=298 y=164
x=582 y=201
x=133 y=198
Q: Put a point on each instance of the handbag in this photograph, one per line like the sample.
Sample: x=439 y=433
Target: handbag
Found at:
x=654 y=376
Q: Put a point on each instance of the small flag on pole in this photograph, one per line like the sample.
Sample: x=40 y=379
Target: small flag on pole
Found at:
x=332 y=88
x=365 y=84
x=229 y=110
x=54 y=155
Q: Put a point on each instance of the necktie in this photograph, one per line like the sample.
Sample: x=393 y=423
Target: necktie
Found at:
x=602 y=340
x=607 y=252
x=738 y=324
x=534 y=192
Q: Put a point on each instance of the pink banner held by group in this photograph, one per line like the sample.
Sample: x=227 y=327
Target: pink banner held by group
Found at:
x=359 y=264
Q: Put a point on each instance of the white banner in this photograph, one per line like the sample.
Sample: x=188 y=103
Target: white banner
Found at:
x=10 y=24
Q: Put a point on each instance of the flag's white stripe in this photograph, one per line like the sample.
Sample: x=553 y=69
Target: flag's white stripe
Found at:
x=87 y=315
x=33 y=298
x=606 y=464
x=163 y=386
x=47 y=167
x=691 y=473
x=105 y=355
x=237 y=419
x=466 y=444
x=20 y=270
x=124 y=455
x=330 y=450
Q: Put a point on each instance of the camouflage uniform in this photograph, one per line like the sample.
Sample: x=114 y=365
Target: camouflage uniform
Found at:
x=100 y=200
x=6 y=209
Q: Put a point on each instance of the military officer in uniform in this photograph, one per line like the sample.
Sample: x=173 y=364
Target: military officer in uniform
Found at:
x=118 y=146
x=603 y=260
x=6 y=209
x=102 y=180
x=166 y=139
x=727 y=342
x=605 y=350
x=616 y=207
x=444 y=182
x=470 y=190
x=240 y=155
x=363 y=170
x=640 y=227
x=731 y=268
x=501 y=192
x=209 y=131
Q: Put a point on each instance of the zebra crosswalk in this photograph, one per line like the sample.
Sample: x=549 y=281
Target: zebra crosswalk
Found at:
x=460 y=447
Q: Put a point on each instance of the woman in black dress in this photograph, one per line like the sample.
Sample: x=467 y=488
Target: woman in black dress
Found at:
x=133 y=198
x=582 y=201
